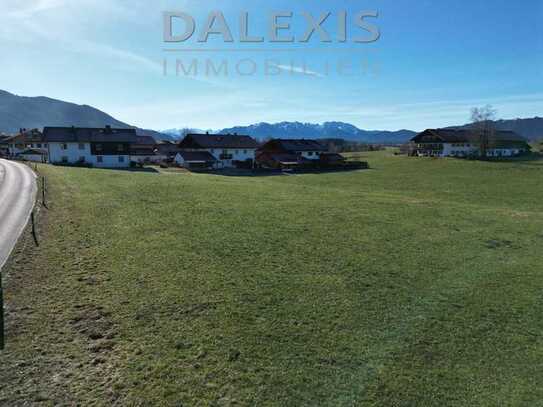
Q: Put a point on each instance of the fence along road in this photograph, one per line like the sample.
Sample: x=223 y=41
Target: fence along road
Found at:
x=17 y=196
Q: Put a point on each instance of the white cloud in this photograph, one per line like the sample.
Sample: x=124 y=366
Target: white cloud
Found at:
x=297 y=69
x=19 y=9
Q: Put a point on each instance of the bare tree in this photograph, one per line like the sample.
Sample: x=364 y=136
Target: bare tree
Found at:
x=482 y=119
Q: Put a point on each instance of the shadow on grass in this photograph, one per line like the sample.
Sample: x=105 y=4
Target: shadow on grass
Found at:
x=145 y=169
x=271 y=173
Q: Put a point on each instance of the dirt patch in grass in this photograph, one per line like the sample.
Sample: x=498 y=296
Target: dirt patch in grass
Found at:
x=60 y=346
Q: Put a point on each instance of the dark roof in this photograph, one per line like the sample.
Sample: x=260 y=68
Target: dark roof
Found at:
x=466 y=136
x=145 y=141
x=88 y=135
x=26 y=136
x=300 y=145
x=167 y=148
x=218 y=141
x=202 y=156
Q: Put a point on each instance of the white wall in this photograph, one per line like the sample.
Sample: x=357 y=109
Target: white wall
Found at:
x=311 y=155
x=450 y=150
x=458 y=149
x=237 y=155
x=179 y=160
x=74 y=153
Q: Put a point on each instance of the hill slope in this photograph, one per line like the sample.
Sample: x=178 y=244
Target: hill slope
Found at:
x=36 y=112
x=531 y=128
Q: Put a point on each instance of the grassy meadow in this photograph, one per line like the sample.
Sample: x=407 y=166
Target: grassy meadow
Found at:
x=416 y=283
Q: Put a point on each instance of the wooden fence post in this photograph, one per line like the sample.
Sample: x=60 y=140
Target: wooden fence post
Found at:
x=43 y=193
x=34 y=234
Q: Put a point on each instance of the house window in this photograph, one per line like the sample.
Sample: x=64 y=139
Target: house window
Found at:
x=244 y=151
x=64 y=159
x=81 y=146
x=121 y=158
x=81 y=159
x=64 y=146
x=310 y=153
x=99 y=147
x=237 y=151
x=99 y=159
x=38 y=145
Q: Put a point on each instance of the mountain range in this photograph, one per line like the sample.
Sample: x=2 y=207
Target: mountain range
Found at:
x=36 y=112
x=18 y=112
x=327 y=130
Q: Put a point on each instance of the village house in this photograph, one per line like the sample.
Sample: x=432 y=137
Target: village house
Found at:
x=229 y=150
x=145 y=151
x=99 y=147
x=466 y=143
x=167 y=150
x=39 y=155
x=291 y=153
x=196 y=160
x=4 y=145
x=25 y=139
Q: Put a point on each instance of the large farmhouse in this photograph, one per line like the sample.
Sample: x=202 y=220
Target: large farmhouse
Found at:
x=100 y=147
x=229 y=150
x=467 y=143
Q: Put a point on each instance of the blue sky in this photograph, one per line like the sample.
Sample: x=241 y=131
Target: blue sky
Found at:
x=433 y=62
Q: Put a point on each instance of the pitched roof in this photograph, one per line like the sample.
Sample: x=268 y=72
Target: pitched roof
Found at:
x=218 y=141
x=88 y=135
x=197 y=156
x=145 y=141
x=301 y=145
x=26 y=136
x=467 y=136
x=167 y=148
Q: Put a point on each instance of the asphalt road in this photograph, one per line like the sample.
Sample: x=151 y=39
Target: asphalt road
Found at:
x=17 y=195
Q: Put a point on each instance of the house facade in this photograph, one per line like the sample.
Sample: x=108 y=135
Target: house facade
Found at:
x=467 y=143
x=229 y=150
x=195 y=160
x=4 y=145
x=14 y=145
x=145 y=151
x=99 y=147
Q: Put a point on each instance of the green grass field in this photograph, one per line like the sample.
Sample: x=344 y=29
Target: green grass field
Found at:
x=416 y=283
